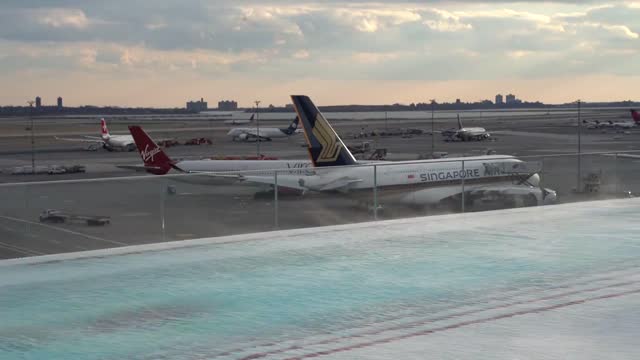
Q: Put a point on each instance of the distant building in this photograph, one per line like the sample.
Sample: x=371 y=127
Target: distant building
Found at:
x=289 y=106
x=499 y=99
x=511 y=99
x=60 y=103
x=227 y=105
x=458 y=101
x=38 y=102
x=197 y=106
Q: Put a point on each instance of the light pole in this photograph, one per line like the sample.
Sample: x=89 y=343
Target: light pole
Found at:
x=258 y=124
x=579 y=149
x=433 y=135
x=33 y=151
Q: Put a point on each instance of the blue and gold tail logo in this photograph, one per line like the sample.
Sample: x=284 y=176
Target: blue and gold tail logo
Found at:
x=324 y=144
x=327 y=139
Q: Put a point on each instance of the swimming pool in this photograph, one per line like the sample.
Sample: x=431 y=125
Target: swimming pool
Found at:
x=493 y=285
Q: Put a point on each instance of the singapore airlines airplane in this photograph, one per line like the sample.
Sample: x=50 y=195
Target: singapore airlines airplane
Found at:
x=157 y=162
x=466 y=134
x=106 y=140
x=262 y=134
x=422 y=183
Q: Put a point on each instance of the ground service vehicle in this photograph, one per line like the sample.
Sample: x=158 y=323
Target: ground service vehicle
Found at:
x=58 y=217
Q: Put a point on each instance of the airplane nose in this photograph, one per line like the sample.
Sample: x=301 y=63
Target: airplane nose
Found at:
x=550 y=196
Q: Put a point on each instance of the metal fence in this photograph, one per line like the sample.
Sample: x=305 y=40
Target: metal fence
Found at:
x=145 y=209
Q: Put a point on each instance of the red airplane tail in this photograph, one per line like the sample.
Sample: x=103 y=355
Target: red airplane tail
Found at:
x=154 y=158
x=636 y=116
x=104 y=131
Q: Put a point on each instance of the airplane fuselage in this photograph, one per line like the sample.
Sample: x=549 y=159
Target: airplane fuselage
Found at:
x=252 y=167
x=425 y=182
x=426 y=172
x=473 y=133
x=252 y=133
x=120 y=142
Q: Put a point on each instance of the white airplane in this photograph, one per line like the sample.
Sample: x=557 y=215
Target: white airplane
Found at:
x=240 y=121
x=422 y=183
x=596 y=124
x=106 y=140
x=610 y=124
x=263 y=133
x=635 y=121
x=466 y=134
x=157 y=162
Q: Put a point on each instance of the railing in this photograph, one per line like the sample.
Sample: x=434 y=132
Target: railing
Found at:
x=144 y=209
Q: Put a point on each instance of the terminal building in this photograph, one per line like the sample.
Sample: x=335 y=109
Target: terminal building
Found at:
x=197 y=106
x=227 y=105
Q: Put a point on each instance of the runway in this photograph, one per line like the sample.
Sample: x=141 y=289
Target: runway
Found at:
x=143 y=212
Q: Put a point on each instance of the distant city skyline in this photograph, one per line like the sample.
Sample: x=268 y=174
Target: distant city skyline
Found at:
x=161 y=53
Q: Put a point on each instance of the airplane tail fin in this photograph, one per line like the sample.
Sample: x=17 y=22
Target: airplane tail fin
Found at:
x=154 y=158
x=324 y=145
x=292 y=127
x=636 y=116
x=104 y=131
x=459 y=122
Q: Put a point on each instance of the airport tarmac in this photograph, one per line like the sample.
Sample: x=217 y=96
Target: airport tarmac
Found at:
x=143 y=212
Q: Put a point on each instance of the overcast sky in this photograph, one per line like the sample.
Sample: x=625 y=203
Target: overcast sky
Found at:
x=164 y=52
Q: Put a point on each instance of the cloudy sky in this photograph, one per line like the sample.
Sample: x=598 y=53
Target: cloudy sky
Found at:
x=163 y=52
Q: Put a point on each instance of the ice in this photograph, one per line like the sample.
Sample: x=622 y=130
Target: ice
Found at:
x=534 y=283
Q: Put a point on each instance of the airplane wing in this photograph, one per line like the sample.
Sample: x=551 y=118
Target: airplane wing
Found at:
x=341 y=184
x=435 y=195
x=302 y=183
x=505 y=189
x=90 y=139
x=289 y=182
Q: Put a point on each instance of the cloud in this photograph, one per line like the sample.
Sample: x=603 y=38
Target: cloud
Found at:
x=446 y=21
x=301 y=54
x=273 y=18
x=155 y=26
x=620 y=30
x=61 y=18
x=519 y=54
x=372 y=20
x=276 y=39
x=374 y=58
